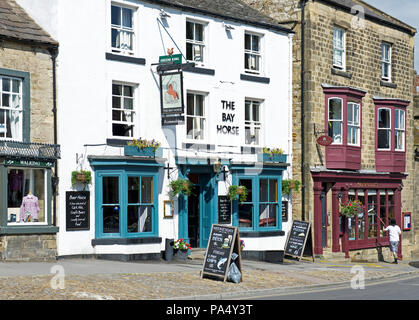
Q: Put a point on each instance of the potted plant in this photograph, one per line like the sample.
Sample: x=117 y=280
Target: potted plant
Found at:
x=180 y=186
x=350 y=208
x=272 y=155
x=82 y=176
x=143 y=148
x=234 y=191
x=288 y=185
x=180 y=249
x=242 y=245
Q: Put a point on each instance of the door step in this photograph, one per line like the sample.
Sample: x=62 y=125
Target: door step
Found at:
x=333 y=256
x=197 y=254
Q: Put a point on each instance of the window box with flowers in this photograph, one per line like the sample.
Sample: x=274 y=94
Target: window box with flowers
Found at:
x=143 y=148
x=272 y=155
x=180 y=249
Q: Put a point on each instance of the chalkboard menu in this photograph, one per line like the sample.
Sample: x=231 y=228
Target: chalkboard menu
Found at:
x=299 y=241
x=223 y=241
x=224 y=210
x=77 y=210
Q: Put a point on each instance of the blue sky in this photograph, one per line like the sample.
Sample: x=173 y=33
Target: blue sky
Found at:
x=404 y=10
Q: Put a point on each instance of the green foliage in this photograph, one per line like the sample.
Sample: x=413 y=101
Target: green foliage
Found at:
x=234 y=191
x=180 y=186
x=350 y=208
x=289 y=184
x=82 y=176
x=273 y=151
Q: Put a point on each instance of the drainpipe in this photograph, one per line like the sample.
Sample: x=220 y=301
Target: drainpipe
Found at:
x=303 y=185
x=54 y=54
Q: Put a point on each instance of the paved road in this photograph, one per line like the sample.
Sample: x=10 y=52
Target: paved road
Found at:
x=403 y=288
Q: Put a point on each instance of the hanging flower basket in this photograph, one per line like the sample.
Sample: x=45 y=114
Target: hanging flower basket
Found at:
x=82 y=176
x=180 y=186
x=237 y=191
x=289 y=185
x=350 y=208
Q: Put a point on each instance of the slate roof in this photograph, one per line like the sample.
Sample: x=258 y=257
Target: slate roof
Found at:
x=373 y=13
x=15 y=24
x=233 y=10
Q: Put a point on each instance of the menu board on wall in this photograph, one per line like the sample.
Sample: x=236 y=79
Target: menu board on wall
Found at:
x=223 y=241
x=77 y=210
x=224 y=210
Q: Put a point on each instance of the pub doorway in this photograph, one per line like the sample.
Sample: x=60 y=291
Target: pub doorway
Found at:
x=193 y=216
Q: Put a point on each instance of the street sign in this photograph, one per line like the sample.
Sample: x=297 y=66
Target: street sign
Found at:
x=175 y=59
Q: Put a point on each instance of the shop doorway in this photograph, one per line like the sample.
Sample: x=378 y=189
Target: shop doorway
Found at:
x=193 y=216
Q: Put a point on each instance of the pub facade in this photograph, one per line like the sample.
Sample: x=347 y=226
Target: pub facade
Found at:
x=206 y=89
x=353 y=117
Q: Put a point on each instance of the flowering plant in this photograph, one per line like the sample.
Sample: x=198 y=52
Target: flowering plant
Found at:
x=142 y=143
x=181 y=245
x=241 y=245
x=351 y=208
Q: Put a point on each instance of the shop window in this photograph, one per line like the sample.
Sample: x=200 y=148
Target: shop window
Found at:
x=260 y=211
x=390 y=155
x=26 y=196
x=128 y=205
x=122 y=30
x=253 y=125
x=252 y=53
x=195 y=116
x=11 y=108
x=123 y=110
x=195 y=41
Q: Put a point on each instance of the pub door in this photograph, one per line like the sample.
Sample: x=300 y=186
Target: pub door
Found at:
x=324 y=219
x=193 y=216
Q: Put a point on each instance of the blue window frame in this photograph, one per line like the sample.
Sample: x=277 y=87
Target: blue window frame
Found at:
x=126 y=203
x=262 y=209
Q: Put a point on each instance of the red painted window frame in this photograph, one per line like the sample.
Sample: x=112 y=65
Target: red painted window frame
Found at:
x=343 y=156
x=390 y=160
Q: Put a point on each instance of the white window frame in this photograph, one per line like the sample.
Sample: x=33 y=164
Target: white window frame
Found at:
x=400 y=128
x=195 y=43
x=134 y=112
x=386 y=61
x=336 y=120
x=256 y=54
x=121 y=28
x=194 y=117
x=387 y=128
x=10 y=108
x=341 y=49
x=354 y=123
x=251 y=123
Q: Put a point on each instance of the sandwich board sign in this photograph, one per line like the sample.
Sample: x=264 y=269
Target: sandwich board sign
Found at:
x=299 y=242
x=223 y=241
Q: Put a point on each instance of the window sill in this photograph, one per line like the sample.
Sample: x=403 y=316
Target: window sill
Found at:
x=388 y=84
x=341 y=73
x=125 y=241
x=29 y=229
x=261 y=234
x=123 y=58
x=248 y=77
x=201 y=70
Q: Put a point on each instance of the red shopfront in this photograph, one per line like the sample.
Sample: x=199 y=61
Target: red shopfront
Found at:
x=380 y=195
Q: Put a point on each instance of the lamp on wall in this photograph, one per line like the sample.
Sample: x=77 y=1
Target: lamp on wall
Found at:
x=216 y=166
x=164 y=14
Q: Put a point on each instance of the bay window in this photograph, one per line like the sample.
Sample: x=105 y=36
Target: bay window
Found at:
x=399 y=129
x=335 y=120
x=354 y=124
x=384 y=129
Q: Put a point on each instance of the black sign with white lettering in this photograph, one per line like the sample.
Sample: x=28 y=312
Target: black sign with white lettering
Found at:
x=297 y=239
x=223 y=241
x=77 y=210
x=224 y=210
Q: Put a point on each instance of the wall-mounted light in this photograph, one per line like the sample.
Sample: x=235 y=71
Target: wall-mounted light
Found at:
x=164 y=14
x=216 y=166
x=228 y=27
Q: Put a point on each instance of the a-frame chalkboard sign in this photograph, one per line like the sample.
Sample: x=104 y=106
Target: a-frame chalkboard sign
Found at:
x=223 y=241
x=300 y=241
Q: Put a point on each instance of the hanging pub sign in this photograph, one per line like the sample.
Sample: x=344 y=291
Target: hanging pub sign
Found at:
x=324 y=140
x=171 y=97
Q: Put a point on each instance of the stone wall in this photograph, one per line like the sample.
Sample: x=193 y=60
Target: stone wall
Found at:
x=28 y=247
x=37 y=61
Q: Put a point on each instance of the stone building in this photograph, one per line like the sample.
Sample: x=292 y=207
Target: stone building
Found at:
x=357 y=67
x=416 y=145
x=28 y=146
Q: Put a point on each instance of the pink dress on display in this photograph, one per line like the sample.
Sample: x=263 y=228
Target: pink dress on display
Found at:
x=29 y=208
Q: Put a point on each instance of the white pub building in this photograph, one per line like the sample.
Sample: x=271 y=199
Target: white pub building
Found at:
x=211 y=83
